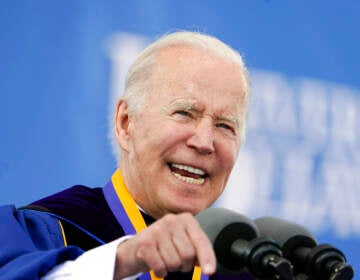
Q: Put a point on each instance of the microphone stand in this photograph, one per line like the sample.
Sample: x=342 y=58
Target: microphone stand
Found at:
x=263 y=257
x=323 y=262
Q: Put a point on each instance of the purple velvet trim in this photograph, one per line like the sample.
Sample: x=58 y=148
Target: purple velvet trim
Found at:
x=86 y=207
x=118 y=209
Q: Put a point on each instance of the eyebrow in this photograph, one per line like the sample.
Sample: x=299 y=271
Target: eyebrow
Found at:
x=186 y=104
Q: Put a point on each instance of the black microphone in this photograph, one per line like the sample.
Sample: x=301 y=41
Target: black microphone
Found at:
x=320 y=262
x=237 y=245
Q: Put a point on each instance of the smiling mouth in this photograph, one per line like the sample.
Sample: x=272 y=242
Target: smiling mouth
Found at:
x=188 y=174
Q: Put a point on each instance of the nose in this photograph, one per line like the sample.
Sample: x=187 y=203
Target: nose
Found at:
x=202 y=138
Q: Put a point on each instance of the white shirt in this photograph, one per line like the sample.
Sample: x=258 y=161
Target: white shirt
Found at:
x=95 y=264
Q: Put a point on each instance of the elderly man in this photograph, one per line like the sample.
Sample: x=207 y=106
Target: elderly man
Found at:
x=179 y=125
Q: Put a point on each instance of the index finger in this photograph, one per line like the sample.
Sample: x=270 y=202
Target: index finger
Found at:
x=204 y=249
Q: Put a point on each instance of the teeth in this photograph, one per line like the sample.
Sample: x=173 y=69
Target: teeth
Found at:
x=189 y=169
x=189 y=180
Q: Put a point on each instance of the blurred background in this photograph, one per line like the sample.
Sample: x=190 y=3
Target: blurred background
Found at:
x=62 y=65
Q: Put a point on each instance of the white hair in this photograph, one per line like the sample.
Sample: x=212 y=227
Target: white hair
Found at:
x=137 y=82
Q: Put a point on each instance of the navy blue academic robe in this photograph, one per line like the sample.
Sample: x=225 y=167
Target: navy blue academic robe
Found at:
x=31 y=244
x=31 y=239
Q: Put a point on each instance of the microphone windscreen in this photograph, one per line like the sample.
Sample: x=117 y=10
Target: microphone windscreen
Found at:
x=287 y=234
x=224 y=227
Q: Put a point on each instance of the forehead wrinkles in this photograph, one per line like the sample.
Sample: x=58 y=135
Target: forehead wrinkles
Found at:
x=189 y=61
x=178 y=69
x=199 y=74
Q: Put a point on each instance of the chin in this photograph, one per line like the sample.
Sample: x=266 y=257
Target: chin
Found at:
x=185 y=202
x=188 y=207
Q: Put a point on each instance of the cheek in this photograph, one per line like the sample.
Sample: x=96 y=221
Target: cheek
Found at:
x=227 y=153
x=169 y=135
x=144 y=133
x=155 y=141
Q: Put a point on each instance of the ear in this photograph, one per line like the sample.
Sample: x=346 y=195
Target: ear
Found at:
x=121 y=123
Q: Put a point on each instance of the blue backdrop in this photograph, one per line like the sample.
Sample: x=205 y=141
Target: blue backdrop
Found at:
x=62 y=64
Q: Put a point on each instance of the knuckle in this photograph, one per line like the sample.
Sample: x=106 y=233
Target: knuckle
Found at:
x=188 y=255
x=155 y=230
x=169 y=220
x=143 y=246
x=141 y=253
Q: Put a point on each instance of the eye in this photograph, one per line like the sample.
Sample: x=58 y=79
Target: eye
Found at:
x=226 y=127
x=183 y=113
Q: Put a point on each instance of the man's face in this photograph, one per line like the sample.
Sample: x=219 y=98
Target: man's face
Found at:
x=180 y=149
